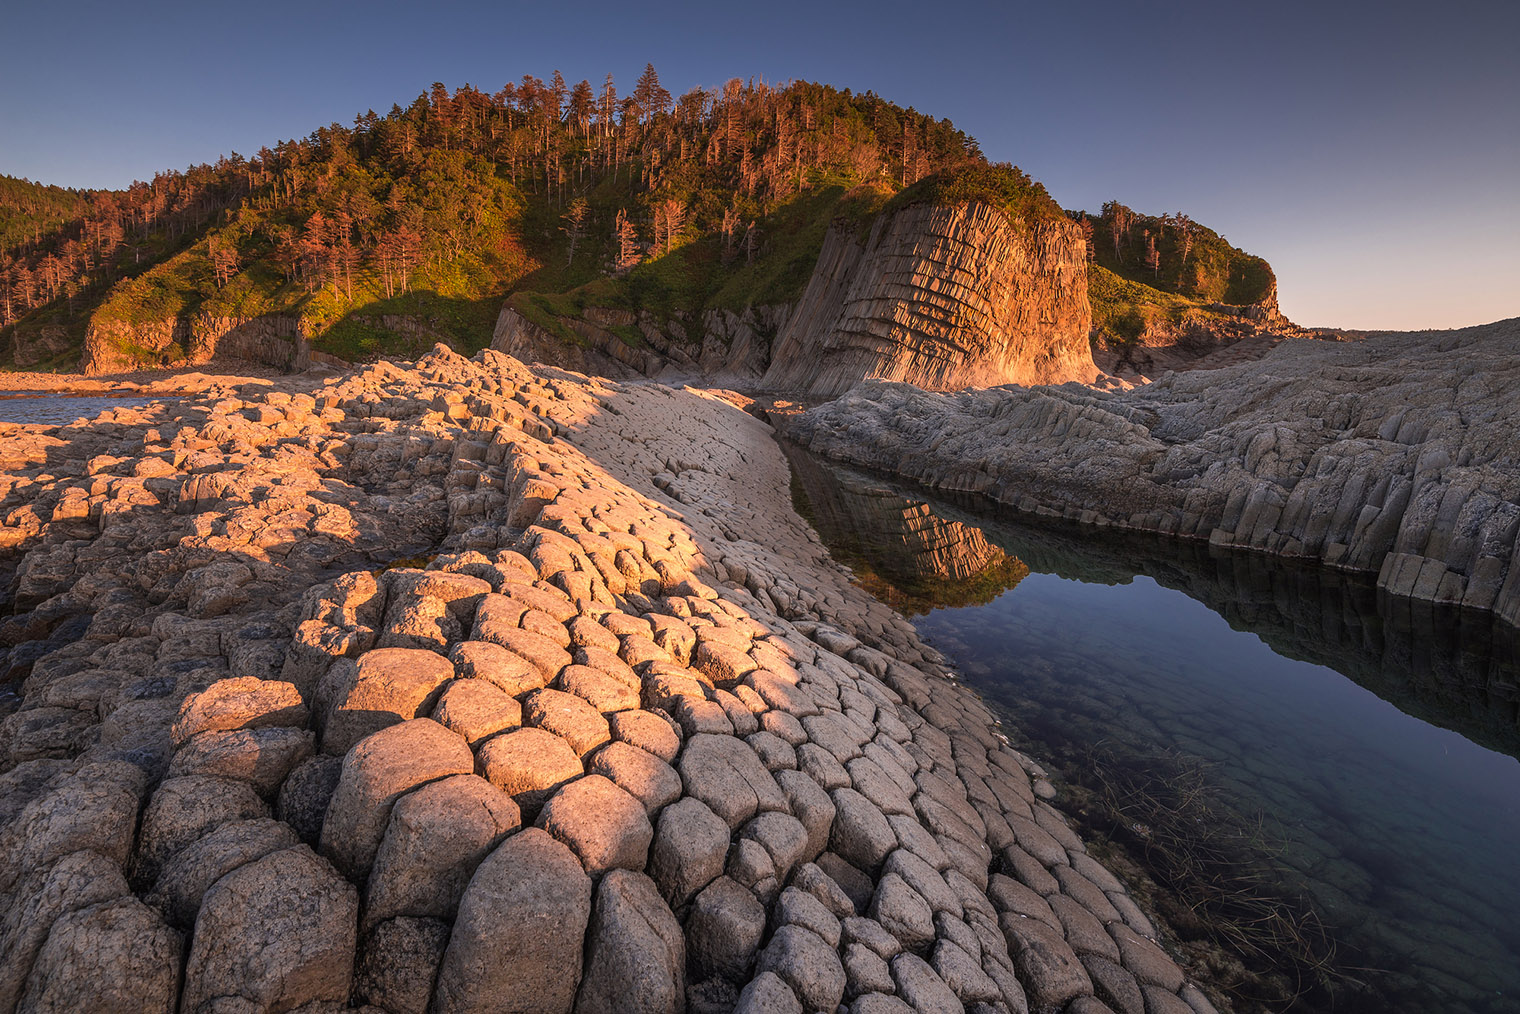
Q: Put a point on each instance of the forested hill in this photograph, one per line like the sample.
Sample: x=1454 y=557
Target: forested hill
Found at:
x=418 y=223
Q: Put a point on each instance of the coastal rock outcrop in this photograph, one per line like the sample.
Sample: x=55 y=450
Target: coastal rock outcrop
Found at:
x=717 y=770
x=1394 y=455
x=942 y=296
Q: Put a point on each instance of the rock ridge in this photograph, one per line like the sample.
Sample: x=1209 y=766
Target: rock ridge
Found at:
x=626 y=737
x=1393 y=455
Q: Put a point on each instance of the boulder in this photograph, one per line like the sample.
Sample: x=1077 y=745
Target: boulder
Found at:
x=261 y=757
x=243 y=702
x=187 y=876
x=724 y=930
x=606 y=826
x=381 y=688
x=305 y=793
x=112 y=956
x=690 y=846
x=185 y=809
x=476 y=709
x=398 y=964
x=726 y=774
x=517 y=941
x=529 y=765
x=635 y=954
x=39 y=899
x=276 y=933
x=378 y=771
x=437 y=835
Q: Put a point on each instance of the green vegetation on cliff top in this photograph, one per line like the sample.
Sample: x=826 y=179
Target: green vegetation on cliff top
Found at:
x=416 y=226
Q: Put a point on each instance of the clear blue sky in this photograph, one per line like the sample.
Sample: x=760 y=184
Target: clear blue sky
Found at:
x=1370 y=150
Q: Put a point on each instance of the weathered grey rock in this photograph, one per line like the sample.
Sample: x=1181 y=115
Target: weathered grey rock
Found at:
x=305 y=793
x=398 y=964
x=568 y=717
x=185 y=809
x=76 y=814
x=244 y=702
x=782 y=836
x=903 y=912
x=921 y=988
x=436 y=837
x=379 y=770
x=797 y=907
x=865 y=971
x=382 y=688
x=963 y=974
x=639 y=773
x=605 y=826
x=1114 y=986
x=725 y=773
x=810 y=878
x=278 y=933
x=529 y=765
x=879 y=1003
x=861 y=834
x=1083 y=930
x=635 y=954
x=807 y=963
x=1163 y=1001
x=723 y=930
x=690 y=846
x=811 y=805
x=503 y=668
x=189 y=874
x=1146 y=961
x=42 y=896
x=1047 y=966
x=768 y=993
x=516 y=944
x=262 y=757
x=112 y=956
x=476 y=709
x=648 y=732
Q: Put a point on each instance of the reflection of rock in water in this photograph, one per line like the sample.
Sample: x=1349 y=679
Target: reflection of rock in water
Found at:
x=1452 y=668
x=900 y=549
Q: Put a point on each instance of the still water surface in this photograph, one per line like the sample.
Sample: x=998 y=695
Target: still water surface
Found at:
x=60 y=409
x=1375 y=741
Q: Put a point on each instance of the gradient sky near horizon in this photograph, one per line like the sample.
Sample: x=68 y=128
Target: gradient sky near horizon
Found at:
x=1369 y=150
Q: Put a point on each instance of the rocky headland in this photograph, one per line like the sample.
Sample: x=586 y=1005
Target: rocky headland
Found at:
x=466 y=686
x=1393 y=455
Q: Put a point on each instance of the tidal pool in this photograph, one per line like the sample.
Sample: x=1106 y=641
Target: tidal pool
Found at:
x=1369 y=744
x=60 y=409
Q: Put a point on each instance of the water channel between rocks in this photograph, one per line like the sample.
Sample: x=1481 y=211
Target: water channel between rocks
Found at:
x=58 y=409
x=1372 y=741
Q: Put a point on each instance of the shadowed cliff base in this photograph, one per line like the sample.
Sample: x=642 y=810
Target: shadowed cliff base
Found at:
x=1393 y=456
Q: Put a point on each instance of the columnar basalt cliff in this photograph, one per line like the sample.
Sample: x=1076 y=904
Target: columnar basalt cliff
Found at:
x=942 y=296
x=629 y=741
x=1395 y=455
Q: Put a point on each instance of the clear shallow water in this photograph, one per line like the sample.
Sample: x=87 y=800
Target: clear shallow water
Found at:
x=59 y=410
x=1377 y=740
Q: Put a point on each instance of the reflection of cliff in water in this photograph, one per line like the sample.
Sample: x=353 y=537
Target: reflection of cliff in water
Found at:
x=899 y=548
x=1448 y=667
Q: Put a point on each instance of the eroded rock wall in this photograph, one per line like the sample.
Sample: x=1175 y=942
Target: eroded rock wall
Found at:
x=1395 y=455
x=627 y=741
x=942 y=297
x=724 y=347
